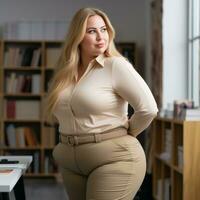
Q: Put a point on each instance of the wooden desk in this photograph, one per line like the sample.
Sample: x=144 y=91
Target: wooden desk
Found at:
x=13 y=179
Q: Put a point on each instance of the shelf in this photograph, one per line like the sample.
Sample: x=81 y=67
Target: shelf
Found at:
x=178 y=169
x=28 y=68
x=180 y=138
x=22 y=95
x=21 y=121
x=22 y=41
x=49 y=69
x=163 y=160
x=47 y=148
x=171 y=120
x=41 y=175
x=21 y=148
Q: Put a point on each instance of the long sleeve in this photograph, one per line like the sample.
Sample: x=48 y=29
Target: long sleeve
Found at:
x=130 y=86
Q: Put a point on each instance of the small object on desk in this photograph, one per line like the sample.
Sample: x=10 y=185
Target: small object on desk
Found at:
x=5 y=171
x=6 y=161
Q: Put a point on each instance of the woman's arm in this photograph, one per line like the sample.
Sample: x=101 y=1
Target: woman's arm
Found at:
x=130 y=86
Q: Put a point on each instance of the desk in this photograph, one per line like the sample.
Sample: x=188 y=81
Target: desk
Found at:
x=13 y=179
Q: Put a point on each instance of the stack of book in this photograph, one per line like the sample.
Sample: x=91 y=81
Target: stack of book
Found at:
x=21 y=136
x=22 y=109
x=20 y=83
x=191 y=114
x=22 y=56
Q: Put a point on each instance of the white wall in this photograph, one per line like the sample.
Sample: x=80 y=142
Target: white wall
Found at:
x=174 y=50
x=132 y=21
x=127 y=16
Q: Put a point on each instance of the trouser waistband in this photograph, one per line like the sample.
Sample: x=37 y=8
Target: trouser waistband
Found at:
x=75 y=140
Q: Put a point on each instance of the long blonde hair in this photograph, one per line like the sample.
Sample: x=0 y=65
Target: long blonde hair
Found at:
x=67 y=65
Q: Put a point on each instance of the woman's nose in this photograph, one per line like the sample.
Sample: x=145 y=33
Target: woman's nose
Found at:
x=99 y=35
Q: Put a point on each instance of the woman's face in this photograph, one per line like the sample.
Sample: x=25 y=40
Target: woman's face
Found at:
x=96 y=38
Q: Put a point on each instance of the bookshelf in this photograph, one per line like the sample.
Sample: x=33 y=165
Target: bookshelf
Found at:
x=24 y=81
x=26 y=67
x=176 y=159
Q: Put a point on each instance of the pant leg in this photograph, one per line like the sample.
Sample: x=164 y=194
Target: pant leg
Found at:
x=74 y=181
x=115 y=181
x=75 y=184
x=121 y=179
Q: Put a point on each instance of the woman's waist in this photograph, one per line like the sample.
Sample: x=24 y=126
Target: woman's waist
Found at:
x=83 y=138
x=77 y=128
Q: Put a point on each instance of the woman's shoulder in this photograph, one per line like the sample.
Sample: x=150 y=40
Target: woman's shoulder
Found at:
x=113 y=60
x=119 y=61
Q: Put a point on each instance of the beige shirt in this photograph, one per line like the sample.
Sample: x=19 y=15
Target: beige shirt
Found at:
x=98 y=101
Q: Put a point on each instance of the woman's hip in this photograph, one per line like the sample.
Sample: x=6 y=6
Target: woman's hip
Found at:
x=125 y=149
x=84 y=158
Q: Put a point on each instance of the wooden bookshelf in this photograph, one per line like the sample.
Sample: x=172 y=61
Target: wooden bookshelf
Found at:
x=12 y=53
x=12 y=66
x=176 y=159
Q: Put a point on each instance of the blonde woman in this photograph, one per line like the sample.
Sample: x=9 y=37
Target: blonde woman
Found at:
x=98 y=154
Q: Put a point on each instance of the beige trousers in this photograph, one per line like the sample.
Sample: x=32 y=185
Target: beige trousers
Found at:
x=110 y=170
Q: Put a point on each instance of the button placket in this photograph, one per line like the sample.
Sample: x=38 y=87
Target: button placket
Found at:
x=76 y=85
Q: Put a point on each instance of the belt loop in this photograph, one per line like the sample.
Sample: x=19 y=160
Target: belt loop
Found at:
x=75 y=140
x=97 y=137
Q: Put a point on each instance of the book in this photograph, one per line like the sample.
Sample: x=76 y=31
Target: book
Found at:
x=20 y=137
x=28 y=109
x=35 y=84
x=5 y=171
x=30 y=137
x=10 y=109
x=36 y=57
x=27 y=57
x=180 y=106
x=10 y=132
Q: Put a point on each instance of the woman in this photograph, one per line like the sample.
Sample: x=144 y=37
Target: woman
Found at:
x=98 y=154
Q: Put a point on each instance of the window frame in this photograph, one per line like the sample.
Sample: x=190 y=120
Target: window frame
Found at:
x=194 y=51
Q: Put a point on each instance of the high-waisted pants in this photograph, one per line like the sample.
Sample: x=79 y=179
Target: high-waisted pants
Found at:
x=109 y=170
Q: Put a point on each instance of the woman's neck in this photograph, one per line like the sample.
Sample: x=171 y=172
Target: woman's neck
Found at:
x=85 y=60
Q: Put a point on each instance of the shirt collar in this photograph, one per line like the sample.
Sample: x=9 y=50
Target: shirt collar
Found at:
x=100 y=59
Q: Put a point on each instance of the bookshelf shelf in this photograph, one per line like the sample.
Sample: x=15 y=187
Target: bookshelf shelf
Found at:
x=176 y=140
x=26 y=67
x=21 y=148
x=48 y=148
x=22 y=95
x=22 y=41
x=41 y=175
x=21 y=121
x=178 y=169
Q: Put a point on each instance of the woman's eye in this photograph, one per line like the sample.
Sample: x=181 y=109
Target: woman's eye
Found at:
x=103 y=29
x=91 y=31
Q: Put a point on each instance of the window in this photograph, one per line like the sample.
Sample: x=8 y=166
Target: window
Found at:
x=194 y=52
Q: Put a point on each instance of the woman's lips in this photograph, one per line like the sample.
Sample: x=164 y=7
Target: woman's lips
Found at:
x=100 y=45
